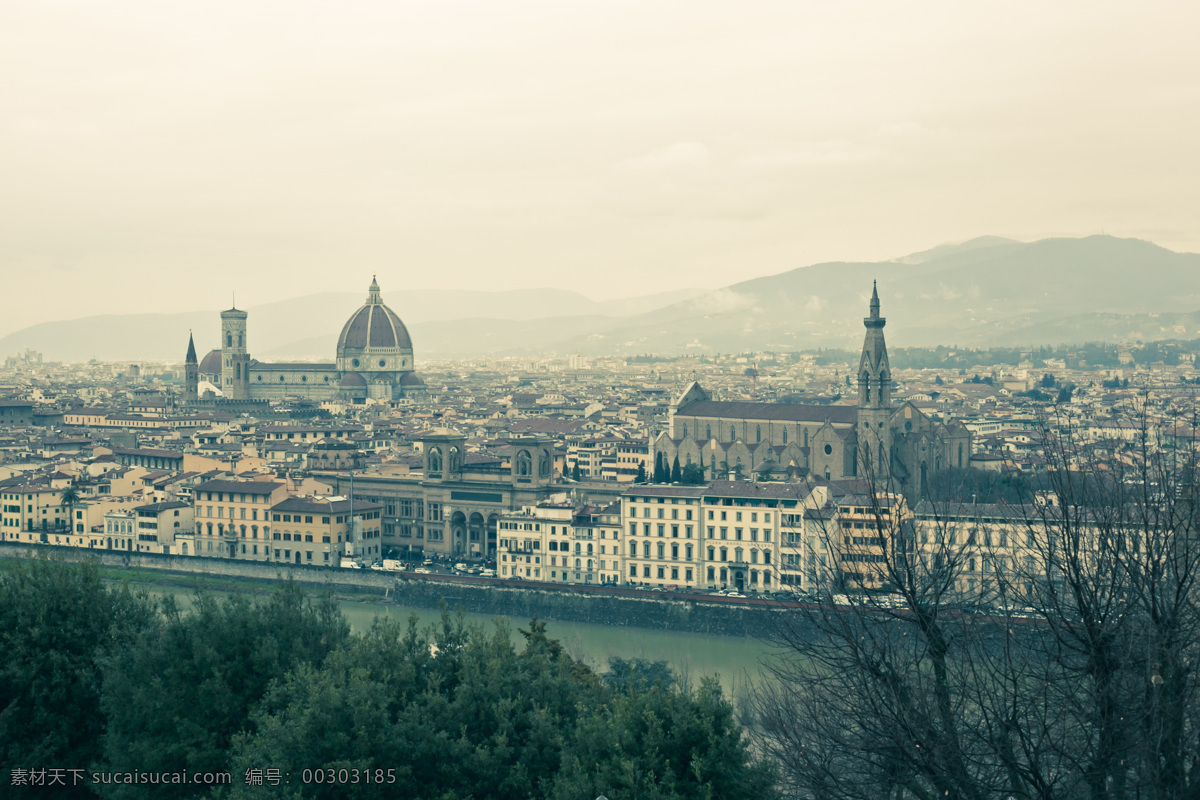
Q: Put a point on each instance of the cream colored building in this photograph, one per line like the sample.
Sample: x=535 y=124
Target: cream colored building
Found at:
x=322 y=531
x=233 y=519
x=559 y=542
x=163 y=527
x=33 y=513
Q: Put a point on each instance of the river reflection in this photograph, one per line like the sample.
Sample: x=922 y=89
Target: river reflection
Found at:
x=735 y=661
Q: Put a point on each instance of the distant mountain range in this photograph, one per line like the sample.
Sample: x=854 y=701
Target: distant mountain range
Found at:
x=987 y=291
x=307 y=327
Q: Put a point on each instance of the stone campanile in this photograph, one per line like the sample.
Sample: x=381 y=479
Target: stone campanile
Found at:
x=874 y=398
x=235 y=361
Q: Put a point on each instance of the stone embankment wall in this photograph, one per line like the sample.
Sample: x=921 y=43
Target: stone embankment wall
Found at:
x=635 y=610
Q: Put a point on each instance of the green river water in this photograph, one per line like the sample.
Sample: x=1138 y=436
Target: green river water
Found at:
x=735 y=661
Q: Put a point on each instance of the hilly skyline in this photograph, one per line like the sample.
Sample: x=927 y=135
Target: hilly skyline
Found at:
x=988 y=290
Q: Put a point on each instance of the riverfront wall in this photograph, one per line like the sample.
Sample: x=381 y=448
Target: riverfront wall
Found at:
x=481 y=596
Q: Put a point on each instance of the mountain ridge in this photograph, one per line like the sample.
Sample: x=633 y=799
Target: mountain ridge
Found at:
x=984 y=291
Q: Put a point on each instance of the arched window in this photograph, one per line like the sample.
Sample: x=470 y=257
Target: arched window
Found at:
x=544 y=463
x=577 y=563
x=732 y=433
x=685 y=430
x=707 y=432
x=435 y=459
x=229 y=340
x=524 y=463
x=589 y=552
x=758 y=433
x=785 y=435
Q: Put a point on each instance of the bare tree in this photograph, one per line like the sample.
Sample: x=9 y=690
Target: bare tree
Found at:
x=1040 y=649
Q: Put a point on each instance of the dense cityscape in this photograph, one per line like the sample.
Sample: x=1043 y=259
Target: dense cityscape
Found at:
x=716 y=474
x=600 y=401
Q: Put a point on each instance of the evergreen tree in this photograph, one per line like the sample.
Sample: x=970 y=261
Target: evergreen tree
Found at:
x=692 y=475
x=641 y=473
x=179 y=696
x=675 y=472
x=56 y=620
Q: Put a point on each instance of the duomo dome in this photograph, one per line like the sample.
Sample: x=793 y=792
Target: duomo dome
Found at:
x=374 y=362
x=374 y=339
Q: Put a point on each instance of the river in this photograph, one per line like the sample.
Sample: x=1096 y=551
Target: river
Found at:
x=734 y=661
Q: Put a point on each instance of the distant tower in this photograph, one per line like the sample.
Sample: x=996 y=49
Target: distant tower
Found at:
x=874 y=398
x=235 y=361
x=191 y=373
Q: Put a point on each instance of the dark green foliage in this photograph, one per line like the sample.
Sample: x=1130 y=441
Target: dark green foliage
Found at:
x=692 y=474
x=91 y=677
x=176 y=699
x=661 y=472
x=676 y=474
x=1048 y=381
x=978 y=485
x=471 y=717
x=638 y=673
x=1035 y=394
x=575 y=472
x=641 y=474
x=55 y=618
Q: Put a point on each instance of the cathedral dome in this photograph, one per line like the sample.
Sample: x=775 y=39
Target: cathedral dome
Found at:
x=211 y=364
x=374 y=338
x=374 y=325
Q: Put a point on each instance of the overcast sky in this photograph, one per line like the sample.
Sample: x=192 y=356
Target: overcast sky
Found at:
x=160 y=155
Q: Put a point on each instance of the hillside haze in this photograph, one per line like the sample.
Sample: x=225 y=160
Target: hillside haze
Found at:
x=987 y=291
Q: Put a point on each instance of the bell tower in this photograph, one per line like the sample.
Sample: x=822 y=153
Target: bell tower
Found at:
x=191 y=373
x=874 y=398
x=235 y=361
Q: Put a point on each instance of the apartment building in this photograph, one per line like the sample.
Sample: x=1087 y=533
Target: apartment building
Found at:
x=233 y=519
x=324 y=530
x=163 y=527
x=662 y=525
x=560 y=542
x=33 y=513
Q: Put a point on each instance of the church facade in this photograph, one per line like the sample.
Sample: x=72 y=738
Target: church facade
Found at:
x=874 y=440
x=374 y=360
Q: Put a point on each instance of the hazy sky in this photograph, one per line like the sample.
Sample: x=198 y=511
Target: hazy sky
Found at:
x=159 y=155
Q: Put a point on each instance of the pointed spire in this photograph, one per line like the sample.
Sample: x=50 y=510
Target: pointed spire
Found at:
x=874 y=300
x=373 y=292
x=191 y=353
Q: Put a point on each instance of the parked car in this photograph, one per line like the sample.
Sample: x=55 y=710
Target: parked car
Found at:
x=487 y=573
x=422 y=571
